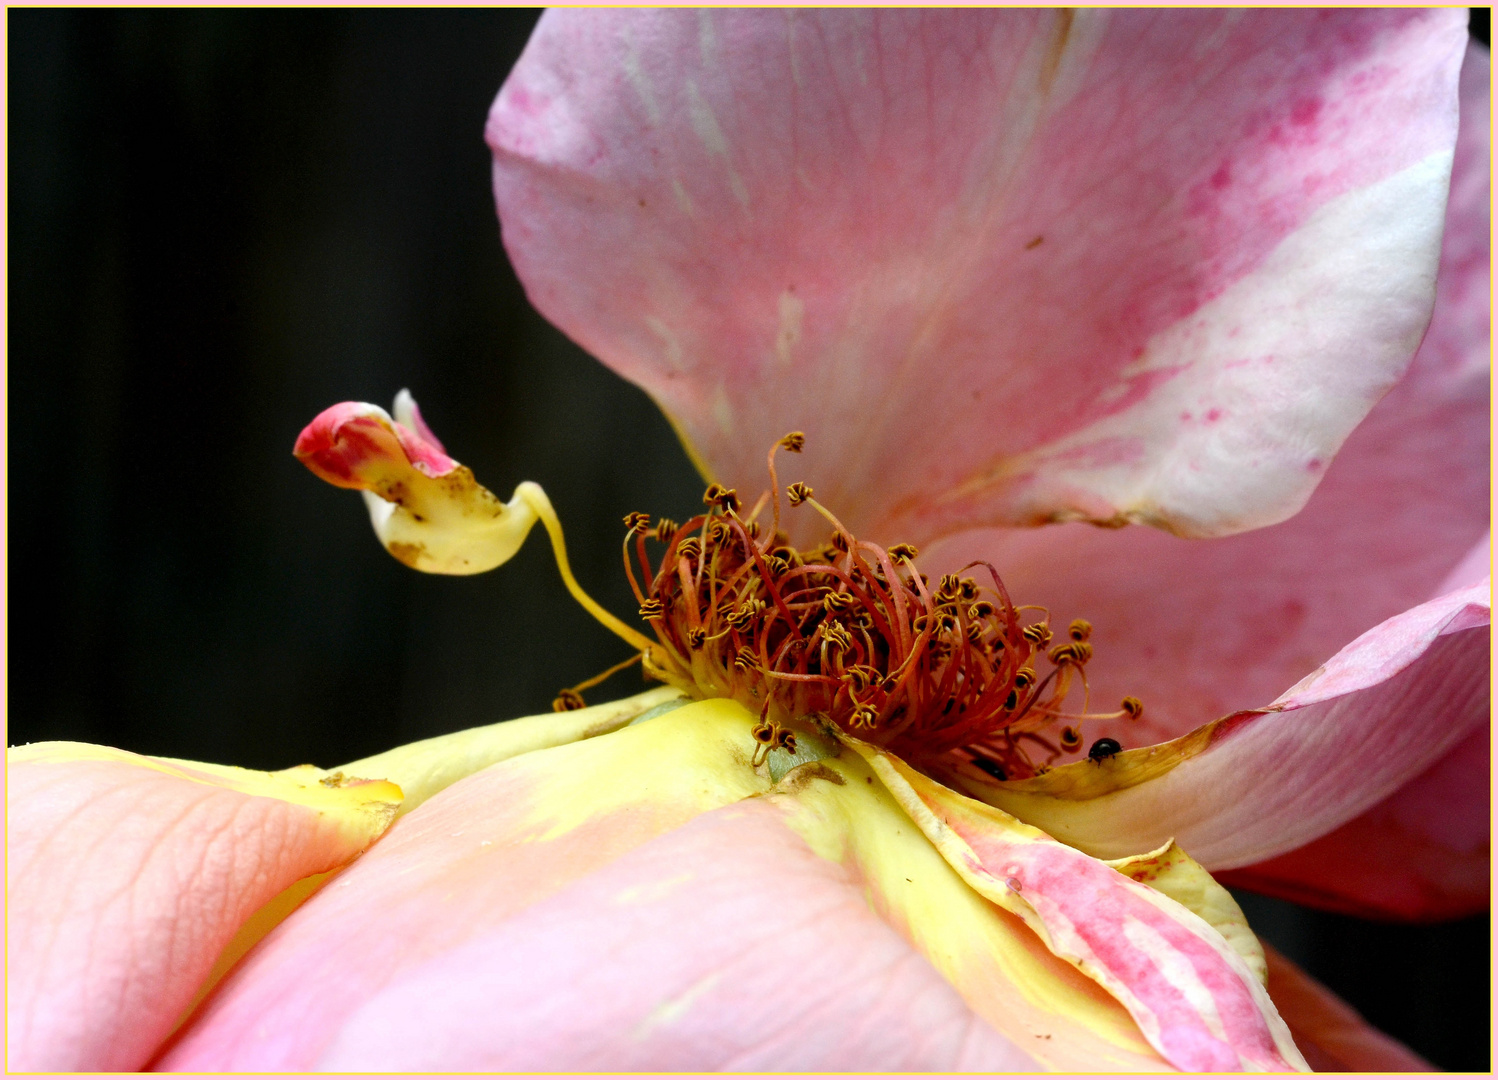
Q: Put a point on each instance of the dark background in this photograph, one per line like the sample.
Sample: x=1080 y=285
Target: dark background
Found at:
x=221 y=222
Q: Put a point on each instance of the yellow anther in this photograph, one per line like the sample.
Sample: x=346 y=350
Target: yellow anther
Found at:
x=696 y=637
x=567 y=701
x=663 y=530
x=690 y=548
x=865 y=716
x=1024 y=678
x=1080 y=630
x=745 y=661
x=903 y=552
x=798 y=493
x=636 y=522
x=1134 y=707
x=1071 y=740
x=793 y=441
x=652 y=609
x=724 y=498
x=981 y=610
x=833 y=634
x=835 y=602
x=1037 y=634
x=744 y=616
x=1076 y=652
x=776 y=565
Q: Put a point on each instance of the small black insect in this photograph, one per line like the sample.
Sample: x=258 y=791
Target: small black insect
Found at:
x=1103 y=748
x=990 y=766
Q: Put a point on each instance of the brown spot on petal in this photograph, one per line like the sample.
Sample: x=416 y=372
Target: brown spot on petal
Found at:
x=410 y=554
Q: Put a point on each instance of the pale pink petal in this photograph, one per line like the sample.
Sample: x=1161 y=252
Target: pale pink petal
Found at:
x=1476 y=565
x=126 y=876
x=558 y=910
x=1200 y=630
x=1259 y=784
x=1002 y=267
x=473 y=855
x=1331 y=1034
x=1422 y=853
x=676 y=957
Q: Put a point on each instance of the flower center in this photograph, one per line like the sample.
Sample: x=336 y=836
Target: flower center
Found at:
x=852 y=637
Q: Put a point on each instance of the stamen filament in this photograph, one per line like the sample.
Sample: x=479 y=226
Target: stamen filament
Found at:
x=538 y=501
x=588 y=684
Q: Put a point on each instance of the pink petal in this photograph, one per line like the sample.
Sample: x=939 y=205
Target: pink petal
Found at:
x=590 y=906
x=1255 y=785
x=1200 y=630
x=1331 y=1034
x=473 y=855
x=1002 y=267
x=1422 y=853
x=345 y=441
x=675 y=957
x=1193 y=996
x=126 y=876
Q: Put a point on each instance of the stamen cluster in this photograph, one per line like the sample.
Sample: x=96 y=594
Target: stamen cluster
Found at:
x=850 y=636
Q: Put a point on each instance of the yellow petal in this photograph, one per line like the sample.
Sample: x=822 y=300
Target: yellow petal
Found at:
x=424 y=768
x=1001 y=968
x=1193 y=997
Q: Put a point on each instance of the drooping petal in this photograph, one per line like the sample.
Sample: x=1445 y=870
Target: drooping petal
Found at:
x=1258 y=784
x=1194 y=997
x=126 y=876
x=1002 y=267
x=1199 y=630
x=1333 y=1037
x=428 y=511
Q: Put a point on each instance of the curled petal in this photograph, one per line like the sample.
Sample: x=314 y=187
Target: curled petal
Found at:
x=1258 y=784
x=428 y=511
x=1194 y=998
x=1171 y=871
x=1127 y=265
x=127 y=875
